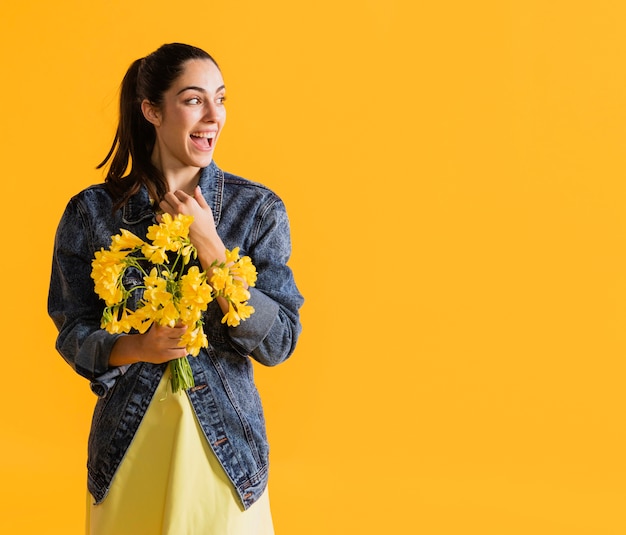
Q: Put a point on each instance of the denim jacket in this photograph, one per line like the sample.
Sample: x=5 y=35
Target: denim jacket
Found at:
x=225 y=399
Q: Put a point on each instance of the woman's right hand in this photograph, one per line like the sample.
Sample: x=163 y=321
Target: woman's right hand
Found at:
x=157 y=345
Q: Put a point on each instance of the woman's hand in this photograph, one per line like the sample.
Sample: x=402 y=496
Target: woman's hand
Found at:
x=202 y=231
x=157 y=345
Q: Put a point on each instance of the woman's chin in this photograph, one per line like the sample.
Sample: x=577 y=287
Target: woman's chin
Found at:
x=201 y=160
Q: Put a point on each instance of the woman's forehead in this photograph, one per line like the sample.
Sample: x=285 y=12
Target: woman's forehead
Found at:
x=199 y=73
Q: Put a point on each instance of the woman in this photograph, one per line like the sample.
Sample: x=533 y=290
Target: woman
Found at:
x=163 y=463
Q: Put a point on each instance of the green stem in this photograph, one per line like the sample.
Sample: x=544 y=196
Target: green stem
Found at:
x=178 y=256
x=182 y=375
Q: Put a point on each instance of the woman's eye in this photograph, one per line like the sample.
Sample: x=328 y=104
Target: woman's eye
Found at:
x=221 y=100
x=194 y=100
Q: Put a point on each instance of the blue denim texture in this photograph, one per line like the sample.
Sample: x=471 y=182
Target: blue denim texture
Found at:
x=225 y=399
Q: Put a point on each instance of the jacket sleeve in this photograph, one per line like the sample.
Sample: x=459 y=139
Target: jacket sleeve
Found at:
x=72 y=302
x=271 y=333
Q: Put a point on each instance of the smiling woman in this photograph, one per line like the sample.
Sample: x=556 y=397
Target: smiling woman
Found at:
x=161 y=462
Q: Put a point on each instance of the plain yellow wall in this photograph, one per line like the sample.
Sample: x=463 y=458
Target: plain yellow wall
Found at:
x=454 y=174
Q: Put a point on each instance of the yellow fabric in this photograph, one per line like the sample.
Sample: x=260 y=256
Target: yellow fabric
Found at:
x=171 y=483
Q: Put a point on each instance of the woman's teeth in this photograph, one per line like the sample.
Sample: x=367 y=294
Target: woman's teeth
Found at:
x=209 y=136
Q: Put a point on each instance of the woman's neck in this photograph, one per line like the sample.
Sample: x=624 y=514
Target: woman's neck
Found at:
x=185 y=180
x=181 y=177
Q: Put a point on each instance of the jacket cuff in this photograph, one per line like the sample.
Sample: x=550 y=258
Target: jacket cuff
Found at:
x=100 y=386
x=251 y=332
x=92 y=359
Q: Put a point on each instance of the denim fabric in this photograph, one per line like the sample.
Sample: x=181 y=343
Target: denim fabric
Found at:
x=225 y=399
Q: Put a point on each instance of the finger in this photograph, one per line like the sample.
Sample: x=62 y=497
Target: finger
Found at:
x=175 y=329
x=170 y=332
x=177 y=202
x=174 y=198
x=181 y=196
x=167 y=207
x=197 y=195
x=175 y=337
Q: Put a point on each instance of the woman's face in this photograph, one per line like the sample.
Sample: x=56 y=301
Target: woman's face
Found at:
x=190 y=119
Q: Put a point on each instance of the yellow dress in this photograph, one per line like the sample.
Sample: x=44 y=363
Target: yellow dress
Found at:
x=171 y=483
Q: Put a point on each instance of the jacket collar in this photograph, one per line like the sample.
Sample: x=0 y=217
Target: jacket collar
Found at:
x=211 y=184
x=212 y=187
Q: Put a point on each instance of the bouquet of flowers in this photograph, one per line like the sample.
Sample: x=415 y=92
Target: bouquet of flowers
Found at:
x=170 y=295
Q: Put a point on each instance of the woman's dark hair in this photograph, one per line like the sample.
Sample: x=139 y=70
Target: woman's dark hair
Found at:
x=147 y=78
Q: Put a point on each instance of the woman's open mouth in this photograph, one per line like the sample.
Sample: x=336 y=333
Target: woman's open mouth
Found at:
x=203 y=140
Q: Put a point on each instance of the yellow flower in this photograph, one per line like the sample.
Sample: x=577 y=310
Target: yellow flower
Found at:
x=169 y=315
x=156 y=289
x=141 y=319
x=245 y=270
x=192 y=279
x=194 y=340
x=231 y=318
x=236 y=293
x=189 y=314
x=125 y=240
x=221 y=278
x=118 y=324
x=232 y=256
x=108 y=257
x=158 y=300
x=245 y=311
x=107 y=270
x=238 y=311
x=171 y=232
x=156 y=255
x=187 y=252
x=194 y=289
x=178 y=226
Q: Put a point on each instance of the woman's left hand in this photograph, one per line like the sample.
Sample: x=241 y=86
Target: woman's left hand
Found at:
x=202 y=231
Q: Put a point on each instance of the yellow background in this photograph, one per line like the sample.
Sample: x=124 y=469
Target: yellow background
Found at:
x=454 y=174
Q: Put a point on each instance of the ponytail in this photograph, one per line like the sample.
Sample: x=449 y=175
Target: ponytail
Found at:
x=132 y=145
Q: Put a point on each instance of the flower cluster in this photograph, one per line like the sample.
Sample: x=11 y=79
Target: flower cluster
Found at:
x=171 y=294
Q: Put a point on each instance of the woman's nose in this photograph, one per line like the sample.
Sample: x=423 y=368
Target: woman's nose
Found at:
x=210 y=112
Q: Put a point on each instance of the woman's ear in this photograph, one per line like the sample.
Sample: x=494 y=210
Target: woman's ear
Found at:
x=151 y=112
